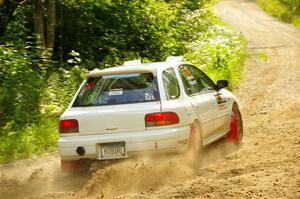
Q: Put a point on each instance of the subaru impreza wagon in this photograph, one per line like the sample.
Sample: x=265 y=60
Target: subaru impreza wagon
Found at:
x=170 y=106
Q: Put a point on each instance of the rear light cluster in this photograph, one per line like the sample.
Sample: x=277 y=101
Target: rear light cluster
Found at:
x=68 y=126
x=161 y=119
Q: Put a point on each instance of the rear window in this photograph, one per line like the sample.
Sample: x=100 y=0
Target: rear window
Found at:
x=118 y=89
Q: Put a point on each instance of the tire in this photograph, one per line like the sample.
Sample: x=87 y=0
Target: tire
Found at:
x=235 y=133
x=74 y=166
x=195 y=143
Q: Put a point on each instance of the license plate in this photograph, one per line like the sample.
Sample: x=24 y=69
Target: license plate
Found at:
x=113 y=150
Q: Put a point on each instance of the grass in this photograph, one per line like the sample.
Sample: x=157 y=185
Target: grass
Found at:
x=32 y=139
x=286 y=10
x=263 y=56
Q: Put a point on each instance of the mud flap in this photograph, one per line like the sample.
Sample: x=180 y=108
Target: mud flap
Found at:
x=73 y=166
x=192 y=138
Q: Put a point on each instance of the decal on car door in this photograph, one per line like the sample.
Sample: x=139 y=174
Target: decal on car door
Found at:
x=221 y=101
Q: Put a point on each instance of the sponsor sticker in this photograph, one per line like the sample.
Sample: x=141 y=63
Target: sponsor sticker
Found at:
x=118 y=91
x=220 y=99
x=149 y=96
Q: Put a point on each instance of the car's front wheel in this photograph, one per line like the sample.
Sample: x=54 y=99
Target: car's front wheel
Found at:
x=235 y=133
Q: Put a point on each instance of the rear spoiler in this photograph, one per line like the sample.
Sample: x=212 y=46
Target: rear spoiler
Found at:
x=121 y=70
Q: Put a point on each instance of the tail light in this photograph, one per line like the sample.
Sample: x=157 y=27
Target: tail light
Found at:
x=68 y=126
x=161 y=119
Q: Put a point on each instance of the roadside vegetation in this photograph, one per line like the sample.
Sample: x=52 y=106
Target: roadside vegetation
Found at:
x=286 y=10
x=46 y=47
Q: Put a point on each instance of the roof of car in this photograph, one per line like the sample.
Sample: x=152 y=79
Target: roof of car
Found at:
x=135 y=68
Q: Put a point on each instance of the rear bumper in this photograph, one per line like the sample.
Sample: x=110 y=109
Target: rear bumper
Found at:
x=160 y=140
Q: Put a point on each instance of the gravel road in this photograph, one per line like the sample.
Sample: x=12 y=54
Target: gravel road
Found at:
x=267 y=165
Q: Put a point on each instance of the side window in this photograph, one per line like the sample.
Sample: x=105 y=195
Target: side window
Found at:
x=190 y=83
x=171 y=84
x=204 y=82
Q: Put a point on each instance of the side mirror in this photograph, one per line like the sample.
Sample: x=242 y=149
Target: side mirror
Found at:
x=221 y=84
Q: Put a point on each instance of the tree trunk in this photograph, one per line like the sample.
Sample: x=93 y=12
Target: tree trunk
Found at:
x=38 y=22
x=61 y=36
x=51 y=27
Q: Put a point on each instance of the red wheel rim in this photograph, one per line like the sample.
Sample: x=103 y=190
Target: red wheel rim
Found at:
x=233 y=134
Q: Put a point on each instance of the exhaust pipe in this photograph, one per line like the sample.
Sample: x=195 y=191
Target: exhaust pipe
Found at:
x=80 y=150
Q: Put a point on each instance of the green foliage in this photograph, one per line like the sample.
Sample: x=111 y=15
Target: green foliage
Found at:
x=61 y=88
x=220 y=52
x=286 y=10
x=21 y=84
x=107 y=33
x=31 y=101
x=28 y=140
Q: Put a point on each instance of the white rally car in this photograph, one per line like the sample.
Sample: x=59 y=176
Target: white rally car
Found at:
x=167 y=106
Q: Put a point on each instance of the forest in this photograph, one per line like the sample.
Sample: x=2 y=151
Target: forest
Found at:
x=46 y=47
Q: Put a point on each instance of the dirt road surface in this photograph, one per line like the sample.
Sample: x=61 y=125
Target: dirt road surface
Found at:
x=267 y=165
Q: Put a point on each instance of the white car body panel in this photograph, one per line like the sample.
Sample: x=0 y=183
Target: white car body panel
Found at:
x=111 y=119
x=126 y=123
x=167 y=139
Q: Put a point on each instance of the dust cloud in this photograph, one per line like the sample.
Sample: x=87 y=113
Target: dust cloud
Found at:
x=106 y=179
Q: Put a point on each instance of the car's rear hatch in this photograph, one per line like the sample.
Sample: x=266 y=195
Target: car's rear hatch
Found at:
x=112 y=119
x=115 y=103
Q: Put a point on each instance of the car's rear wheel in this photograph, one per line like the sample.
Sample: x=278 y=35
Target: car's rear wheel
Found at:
x=195 y=138
x=235 y=133
x=73 y=166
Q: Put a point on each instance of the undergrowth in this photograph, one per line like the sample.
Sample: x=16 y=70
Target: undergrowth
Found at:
x=31 y=139
x=220 y=53
x=286 y=10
